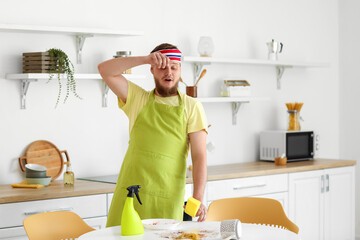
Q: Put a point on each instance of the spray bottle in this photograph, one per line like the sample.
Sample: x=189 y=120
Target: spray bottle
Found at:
x=130 y=220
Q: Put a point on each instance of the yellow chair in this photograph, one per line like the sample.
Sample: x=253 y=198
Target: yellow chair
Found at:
x=264 y=211
x=55 y=226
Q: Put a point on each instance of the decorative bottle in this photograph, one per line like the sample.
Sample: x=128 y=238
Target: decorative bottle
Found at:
x=69 y=178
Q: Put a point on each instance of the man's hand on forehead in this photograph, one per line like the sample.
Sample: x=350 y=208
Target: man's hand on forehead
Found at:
x=159 y=60
x=164 y=58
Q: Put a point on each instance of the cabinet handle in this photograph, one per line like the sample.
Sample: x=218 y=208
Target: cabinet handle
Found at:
x=53 y=210
x=327 y=183
x=250 y=186
x=322 y=184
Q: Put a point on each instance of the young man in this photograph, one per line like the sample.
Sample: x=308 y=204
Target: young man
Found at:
x=162 y=124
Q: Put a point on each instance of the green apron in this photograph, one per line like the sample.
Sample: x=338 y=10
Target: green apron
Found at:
x=156 y=160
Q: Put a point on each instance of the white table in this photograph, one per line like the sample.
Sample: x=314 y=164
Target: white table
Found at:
x=211 y=230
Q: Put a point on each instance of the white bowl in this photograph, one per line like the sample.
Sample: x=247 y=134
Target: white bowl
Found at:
x=34 y=167
x=42 y=181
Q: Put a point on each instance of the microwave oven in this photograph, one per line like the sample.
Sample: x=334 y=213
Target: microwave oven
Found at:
x=296 y=145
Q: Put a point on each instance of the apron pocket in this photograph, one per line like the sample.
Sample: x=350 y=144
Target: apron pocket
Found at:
x=158 y=175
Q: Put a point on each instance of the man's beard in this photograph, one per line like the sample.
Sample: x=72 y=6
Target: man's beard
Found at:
x=166 y=92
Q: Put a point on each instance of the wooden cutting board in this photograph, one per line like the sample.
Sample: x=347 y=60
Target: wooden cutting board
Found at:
x=46 y=154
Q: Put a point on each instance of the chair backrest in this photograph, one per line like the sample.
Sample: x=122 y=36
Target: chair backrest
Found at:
x=55 y=225
x=251 y=210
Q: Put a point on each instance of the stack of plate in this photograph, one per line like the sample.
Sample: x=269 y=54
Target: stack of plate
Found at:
x=36 y=174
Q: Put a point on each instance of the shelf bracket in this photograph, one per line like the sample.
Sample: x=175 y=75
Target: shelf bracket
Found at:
x=24 y=88
x=105 y=95
x=279 y=72
x=80 y=40
x=235 y=108
x=198 y=66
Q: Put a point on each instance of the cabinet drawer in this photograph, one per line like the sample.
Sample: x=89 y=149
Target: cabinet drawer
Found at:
x=15 y=233
x=13 y=214
x=241 y=187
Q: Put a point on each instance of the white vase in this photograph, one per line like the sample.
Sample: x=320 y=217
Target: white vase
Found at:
x=206 y=46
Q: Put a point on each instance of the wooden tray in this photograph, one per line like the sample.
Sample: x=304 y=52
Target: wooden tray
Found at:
x=38 y=62
x=46 y=154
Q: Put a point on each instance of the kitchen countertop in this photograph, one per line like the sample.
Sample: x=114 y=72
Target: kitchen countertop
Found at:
x=259 y=168
x=55 y=190
x=218 y=172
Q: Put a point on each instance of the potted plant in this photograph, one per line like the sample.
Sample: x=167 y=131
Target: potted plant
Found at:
x=61 y=64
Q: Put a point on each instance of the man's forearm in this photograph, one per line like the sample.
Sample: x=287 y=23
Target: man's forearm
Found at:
x=199 y=175
x=117 y=66
x=198 y=155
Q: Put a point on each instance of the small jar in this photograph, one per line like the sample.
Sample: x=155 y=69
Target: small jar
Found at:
x=124 y=54
x=224 y=90
x=294 y=123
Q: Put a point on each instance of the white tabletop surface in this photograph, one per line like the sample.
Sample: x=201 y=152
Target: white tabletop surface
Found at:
x=207 y=231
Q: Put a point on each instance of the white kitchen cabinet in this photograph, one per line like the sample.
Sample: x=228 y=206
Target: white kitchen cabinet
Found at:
x=260 y=186
x=340 y=204
x=91 y=208
x=305 y=201
x=322 y=203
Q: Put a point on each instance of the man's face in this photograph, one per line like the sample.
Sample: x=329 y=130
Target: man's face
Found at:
x=167 y=79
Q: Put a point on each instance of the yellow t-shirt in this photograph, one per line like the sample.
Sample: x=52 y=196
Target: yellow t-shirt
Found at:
x=195 y=118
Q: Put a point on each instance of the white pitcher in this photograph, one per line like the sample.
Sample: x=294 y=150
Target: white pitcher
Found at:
x=274 y=48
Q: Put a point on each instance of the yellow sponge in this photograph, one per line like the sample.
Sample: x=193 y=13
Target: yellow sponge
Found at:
x=192 y=206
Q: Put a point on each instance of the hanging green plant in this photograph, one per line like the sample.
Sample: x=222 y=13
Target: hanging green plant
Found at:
x=61 y=64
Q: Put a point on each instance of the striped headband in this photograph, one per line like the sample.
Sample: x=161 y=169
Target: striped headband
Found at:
x=172 y=54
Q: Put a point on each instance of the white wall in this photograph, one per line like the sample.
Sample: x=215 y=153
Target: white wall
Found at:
x=349 y=22
x=96 y=137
